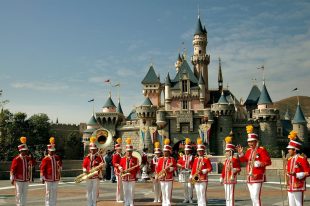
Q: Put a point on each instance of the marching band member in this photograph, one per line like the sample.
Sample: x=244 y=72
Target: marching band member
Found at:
x=93 y=159
x=144 y=165
x=164 y=173
x=185 y=162
x=50 y=173
x=129 y=168
x=199 y=176
x=231 y=168
x=116 y=159
x=257 y=159
x=20 y=174
x=297 y=169
x=154 y=163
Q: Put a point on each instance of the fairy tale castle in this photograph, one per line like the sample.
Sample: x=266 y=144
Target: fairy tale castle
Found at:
x=191 y=109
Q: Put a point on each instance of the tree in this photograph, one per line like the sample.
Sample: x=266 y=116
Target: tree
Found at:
x=39 y=130
x=73 y=148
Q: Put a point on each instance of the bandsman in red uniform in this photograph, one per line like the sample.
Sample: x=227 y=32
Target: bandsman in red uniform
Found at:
x=297 y=170
x=231 y=168
x=164 y=173
x=50 y=173
x=116 y=159
x=20 y=174
x=129 y=168
x=154 y=163
x=185 y=162
x=93 y=159
x=257 y=159
x=199 y=176
x=144 y=165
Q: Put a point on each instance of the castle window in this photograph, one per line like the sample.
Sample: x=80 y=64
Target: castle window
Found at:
x=184 y=85
x=199 y=51
x=184 y=104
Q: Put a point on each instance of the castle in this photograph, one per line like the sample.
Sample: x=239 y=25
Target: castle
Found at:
x=192 y=109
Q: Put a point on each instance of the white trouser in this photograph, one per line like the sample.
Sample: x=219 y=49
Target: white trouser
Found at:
x=201 y=188
x=21 y=193
x=295 y=198
x=229 y=194
x=129 y=190
x=92 y=191
x=157 y=192
x=166 y=191
x=119 y=188
x=51 y=193
x=188 y=191
x=255 y=192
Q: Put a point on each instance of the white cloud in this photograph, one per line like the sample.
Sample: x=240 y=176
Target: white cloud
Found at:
x=40 y=86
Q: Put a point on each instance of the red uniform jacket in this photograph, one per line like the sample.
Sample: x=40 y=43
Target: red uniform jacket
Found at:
x=164 y=163
x=230 y=169
x=186 y=161
x=116 y=159
x=51 y=168
x=205 y=164
x=20 y=168
x=295 y=165
x=154 y=163
x=258 y=172
x=91 y=161
x=127 y=163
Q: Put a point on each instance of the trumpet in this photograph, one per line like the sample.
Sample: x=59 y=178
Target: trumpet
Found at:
x=163 y=172
x=91 y=173
x=127 y=172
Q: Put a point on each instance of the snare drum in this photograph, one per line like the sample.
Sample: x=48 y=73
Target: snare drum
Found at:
x=184 y=176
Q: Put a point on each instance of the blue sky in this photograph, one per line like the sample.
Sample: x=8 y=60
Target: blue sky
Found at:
x=55 y=55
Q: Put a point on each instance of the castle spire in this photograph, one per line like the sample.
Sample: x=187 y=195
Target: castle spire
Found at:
x=264 y=97
x=299 y=115
x=220 y=76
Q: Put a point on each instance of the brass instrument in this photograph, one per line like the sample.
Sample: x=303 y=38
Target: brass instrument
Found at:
x=195 y=177
x=253 y=160
x=127 y=171
x=163 y=172
x=91 y=173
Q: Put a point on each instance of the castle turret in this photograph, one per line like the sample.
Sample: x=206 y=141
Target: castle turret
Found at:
x=300 y=125
x=267 y=118
x=202 y=92
x=109 y=105
x=168 y=93
x=92 y=126
x=178 y=63
x=220 y=77
x=224 y=112
x=151 y=86
x=200 y=59
x=252 y=100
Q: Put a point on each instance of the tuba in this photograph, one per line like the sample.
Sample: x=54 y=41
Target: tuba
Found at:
x=103 y=138
x=92 y=172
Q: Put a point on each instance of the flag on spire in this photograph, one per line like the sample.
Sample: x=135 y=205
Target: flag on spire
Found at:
x=91 y=100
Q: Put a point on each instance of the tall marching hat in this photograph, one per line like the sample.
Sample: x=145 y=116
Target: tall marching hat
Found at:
x=167 y=146
x=118 y=143
x=200 y=145
x=251 y=136
x=129 y=146
x=293 y=144
x=229 y=145
x=92 y=144
x=157 y=148
x=188 y=147
x=51 y=146
x=23 y=146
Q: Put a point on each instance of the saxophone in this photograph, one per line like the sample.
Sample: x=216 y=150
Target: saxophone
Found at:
x=91 y=173
x=195 y=177
x=127 y=171
x=163 y=172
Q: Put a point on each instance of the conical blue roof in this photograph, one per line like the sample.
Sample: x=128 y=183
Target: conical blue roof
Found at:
x=299 y=116
x=109 y=103
x=222 y=99
x=168 y=80
x=199 y=28
x=264 y=97
x=92 y=121
x=147 y=102
x=151 y=77
x=185 y=68
x=119 y=108
x=253 y=96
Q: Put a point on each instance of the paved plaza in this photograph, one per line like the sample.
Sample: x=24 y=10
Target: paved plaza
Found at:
x=71 y=194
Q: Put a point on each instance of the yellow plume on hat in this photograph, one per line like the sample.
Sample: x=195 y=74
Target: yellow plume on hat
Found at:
x=249 y=129
x=23 y=140
x=92 y=139
x=167 y=141
x=119 y=140
x=292 y=135
x=228 y=139
x=52 y=140
x=128 y=140
x=156 y=144
x=187 y=140
x=199 y=140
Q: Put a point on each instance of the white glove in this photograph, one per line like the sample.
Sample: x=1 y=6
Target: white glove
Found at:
x=42 y=178
x=171 y=169
x=11 y=177
x=84 y=170
x=257 y=164
x=300 y=175
x=221 y=180
x=204 y=171
x=234 y=170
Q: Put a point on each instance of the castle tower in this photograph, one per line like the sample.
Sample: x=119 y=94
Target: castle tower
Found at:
x=147 y=117
x=220 y=77
x=151 y=86
x=300 y=125
x=200 y=59
x=267 y=118
x=168 y=93
x=202 y=92
x=224 y=112
x=92 y=125
x=252 y=100
x=178 y=63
